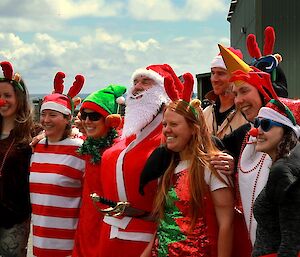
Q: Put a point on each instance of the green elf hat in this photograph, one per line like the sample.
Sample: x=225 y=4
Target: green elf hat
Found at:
x=105 y=101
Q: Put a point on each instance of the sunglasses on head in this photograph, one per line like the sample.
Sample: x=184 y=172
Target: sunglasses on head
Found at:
x=93 y=116
x=266 y=124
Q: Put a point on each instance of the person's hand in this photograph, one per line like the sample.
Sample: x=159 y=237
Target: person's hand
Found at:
x=223 y=163
x=37 y=139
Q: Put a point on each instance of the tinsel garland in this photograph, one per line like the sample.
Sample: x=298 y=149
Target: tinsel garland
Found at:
x=92 y=146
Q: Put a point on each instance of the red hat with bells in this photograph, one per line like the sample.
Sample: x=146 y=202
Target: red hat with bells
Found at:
x=60 y=102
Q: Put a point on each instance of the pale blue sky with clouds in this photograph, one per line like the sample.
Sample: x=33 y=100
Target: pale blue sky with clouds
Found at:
x=106 y=40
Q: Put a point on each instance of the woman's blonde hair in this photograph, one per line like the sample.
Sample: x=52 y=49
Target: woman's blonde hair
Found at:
x=201 y=149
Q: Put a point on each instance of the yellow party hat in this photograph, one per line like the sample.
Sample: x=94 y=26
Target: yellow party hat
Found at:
x=232 y=61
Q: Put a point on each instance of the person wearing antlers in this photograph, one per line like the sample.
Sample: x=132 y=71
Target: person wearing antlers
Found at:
x=16 y=126
x=194 y=202
x=56 y=175
x=252 y=91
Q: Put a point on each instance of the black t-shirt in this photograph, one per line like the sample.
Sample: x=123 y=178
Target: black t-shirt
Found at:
x=221 y=116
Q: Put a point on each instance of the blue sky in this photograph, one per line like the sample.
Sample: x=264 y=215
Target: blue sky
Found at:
x=106 y=40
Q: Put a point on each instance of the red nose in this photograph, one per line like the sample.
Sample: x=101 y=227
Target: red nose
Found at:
x=2 y=102
x=253 y=132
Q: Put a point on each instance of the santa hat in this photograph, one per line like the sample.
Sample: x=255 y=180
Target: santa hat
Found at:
x=149 y=73
x=105 y=101
x=218 y=62
x=60 y=102
x=285 y=111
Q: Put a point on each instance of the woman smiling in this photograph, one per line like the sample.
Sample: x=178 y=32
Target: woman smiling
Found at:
x=276 y=208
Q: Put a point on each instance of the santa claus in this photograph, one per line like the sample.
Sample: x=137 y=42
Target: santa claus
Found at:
x=123 y=234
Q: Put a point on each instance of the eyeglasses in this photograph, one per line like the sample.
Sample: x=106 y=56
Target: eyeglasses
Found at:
x=93 y=116
x=266 y=124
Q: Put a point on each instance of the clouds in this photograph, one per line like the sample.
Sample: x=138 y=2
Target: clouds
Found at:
x=106 y=40
x=166 y=10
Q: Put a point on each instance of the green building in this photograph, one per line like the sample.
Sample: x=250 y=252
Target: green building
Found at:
x=253 y=16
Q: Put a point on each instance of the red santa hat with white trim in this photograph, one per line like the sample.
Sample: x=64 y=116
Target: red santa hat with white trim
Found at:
x=159 y=72
x=59 y=101
x=149 y=73
x=285 y=111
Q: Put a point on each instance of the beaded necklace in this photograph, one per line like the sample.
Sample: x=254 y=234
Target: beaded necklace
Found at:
x=258 y=167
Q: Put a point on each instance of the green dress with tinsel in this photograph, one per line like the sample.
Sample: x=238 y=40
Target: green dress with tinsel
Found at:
x=174 y=237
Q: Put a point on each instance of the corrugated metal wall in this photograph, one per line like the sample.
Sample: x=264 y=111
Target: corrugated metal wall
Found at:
x=253 y=16
x=242 y=23
x=284 y=16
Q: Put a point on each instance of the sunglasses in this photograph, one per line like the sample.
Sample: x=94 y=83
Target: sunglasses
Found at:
x=93 y=116
x=266 y=124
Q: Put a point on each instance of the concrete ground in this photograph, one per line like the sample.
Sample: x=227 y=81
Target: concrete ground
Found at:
x=29 y=247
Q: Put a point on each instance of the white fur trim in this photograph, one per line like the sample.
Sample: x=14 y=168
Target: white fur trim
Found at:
x=130 y=236
x=218 y=62
x=55 y=107
x=268 y=113
x=149 y=74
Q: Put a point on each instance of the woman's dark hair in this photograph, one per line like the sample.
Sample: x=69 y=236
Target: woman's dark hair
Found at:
x=287 y=143
x=68 y=129
x=24 y=117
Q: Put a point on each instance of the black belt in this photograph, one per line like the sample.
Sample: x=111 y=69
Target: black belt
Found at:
x=116 y=209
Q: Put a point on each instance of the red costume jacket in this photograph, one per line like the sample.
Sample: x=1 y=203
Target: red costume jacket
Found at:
x=121 y=168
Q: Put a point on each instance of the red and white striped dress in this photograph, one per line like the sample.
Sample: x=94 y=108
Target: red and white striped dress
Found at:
x=56 y=175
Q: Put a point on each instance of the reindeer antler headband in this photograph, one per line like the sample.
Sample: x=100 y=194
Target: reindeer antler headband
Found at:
x=268 y=61
x=183 y=98
x=10 y=77
x=59 y=101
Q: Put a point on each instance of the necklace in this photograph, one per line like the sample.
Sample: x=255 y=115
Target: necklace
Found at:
x=253 y=199
x=257 y=167
x=5 y=156
x=92 y=146
x=258 y=164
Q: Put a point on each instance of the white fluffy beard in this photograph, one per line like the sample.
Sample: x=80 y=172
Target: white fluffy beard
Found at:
x=142 y=108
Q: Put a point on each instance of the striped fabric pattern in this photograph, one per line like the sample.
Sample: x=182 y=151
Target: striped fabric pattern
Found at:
x=56 y=175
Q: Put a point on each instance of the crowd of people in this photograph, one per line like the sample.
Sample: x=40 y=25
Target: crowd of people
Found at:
x=167 y=178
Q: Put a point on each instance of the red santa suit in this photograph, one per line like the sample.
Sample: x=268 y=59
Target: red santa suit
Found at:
x=121 y=167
